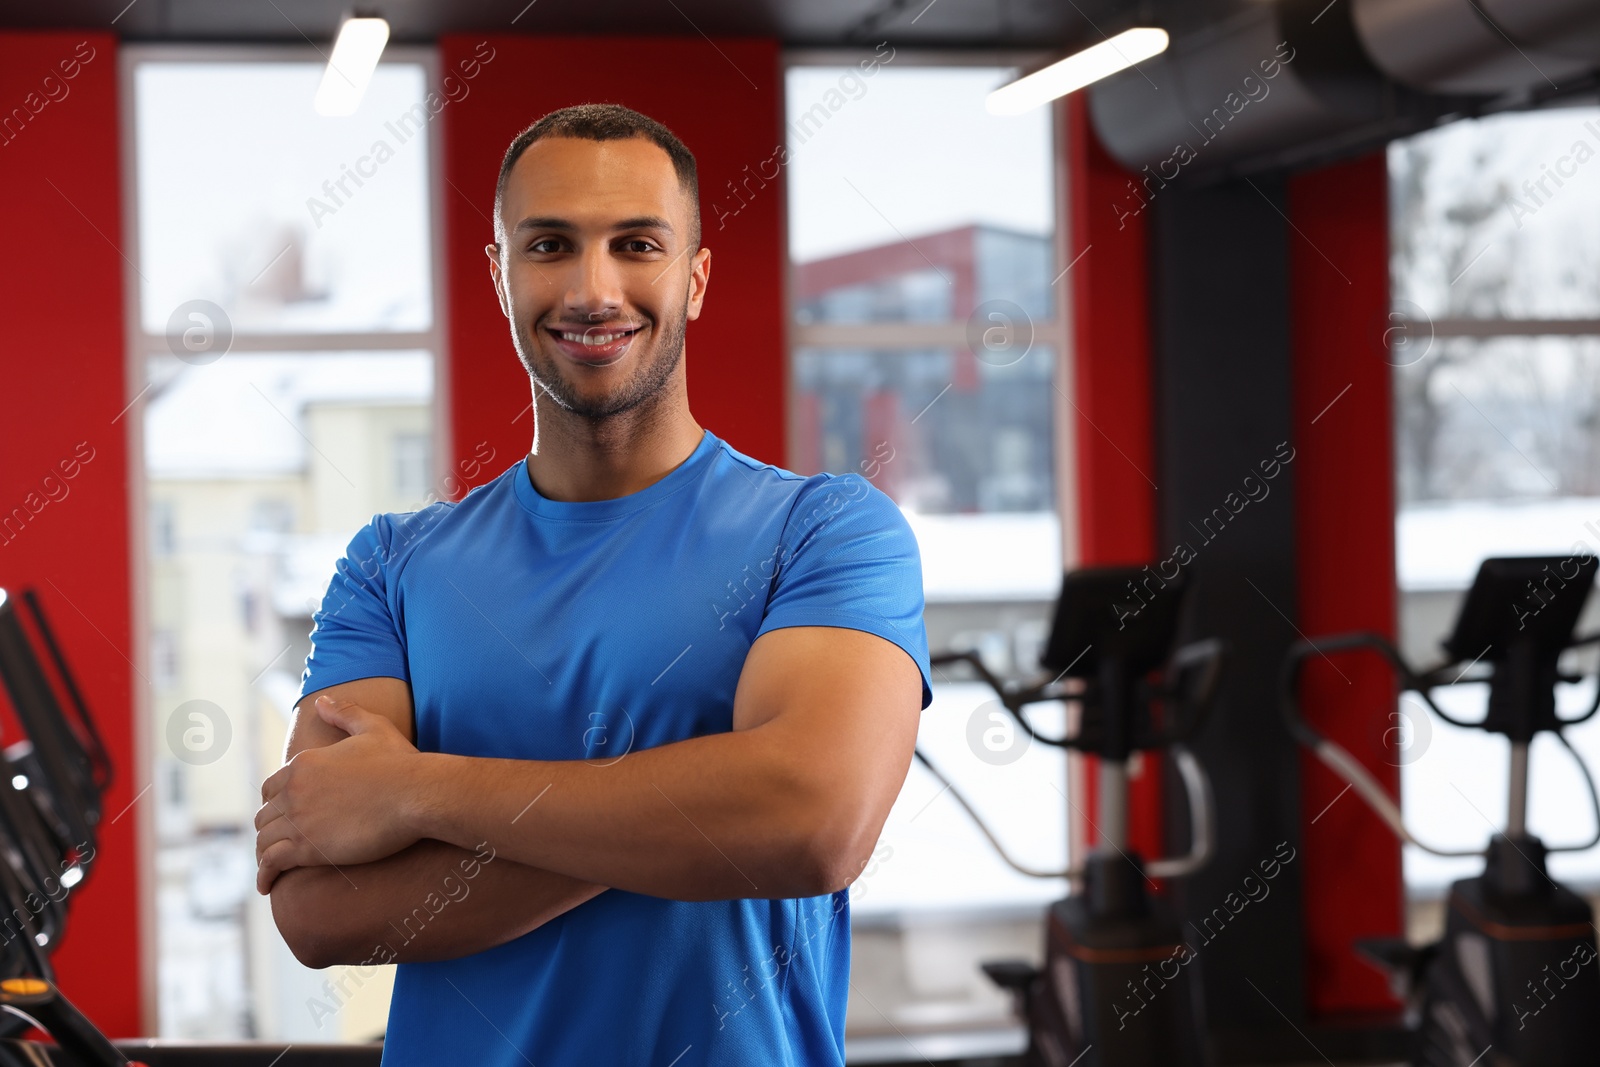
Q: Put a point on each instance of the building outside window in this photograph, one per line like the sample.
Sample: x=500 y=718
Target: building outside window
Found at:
x=1495 y=246
x=925 y=351
x=287 y=346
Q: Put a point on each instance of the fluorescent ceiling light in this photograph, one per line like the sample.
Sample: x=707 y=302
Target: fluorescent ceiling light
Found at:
x=1077 y=70
x=355 y=56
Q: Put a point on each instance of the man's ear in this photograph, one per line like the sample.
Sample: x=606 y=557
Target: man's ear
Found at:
x=699 y=279
x=492 y=250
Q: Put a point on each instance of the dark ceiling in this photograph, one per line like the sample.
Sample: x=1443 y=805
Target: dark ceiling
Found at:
x=963 y=24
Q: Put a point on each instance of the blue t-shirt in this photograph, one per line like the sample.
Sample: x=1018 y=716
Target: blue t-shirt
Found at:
x=537 y=629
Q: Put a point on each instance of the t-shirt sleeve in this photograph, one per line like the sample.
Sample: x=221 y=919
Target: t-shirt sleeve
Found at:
x=354 y=634
x=849 y=559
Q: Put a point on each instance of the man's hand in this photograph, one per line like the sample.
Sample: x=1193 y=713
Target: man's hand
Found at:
x=330 y=915
x=339 y=804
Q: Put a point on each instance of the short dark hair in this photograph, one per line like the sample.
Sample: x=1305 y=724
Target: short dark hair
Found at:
x=605 y=122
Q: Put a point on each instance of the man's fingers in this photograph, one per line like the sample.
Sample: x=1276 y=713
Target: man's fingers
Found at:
x=275 y=805
x=276 y=831
x=350 y=717
x=274 y=862
x=274 y=783
x=272 y=809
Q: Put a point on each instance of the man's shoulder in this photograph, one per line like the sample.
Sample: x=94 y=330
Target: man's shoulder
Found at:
x=758 y=472
x=393 y=536
x=751 y=474
x=804 y=500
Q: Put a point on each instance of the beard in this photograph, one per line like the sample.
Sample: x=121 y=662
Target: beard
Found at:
x=652 y=370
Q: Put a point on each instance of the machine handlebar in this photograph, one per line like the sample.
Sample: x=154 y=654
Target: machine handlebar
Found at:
x=1189 y=685
x=1339 y=760
x=1188 y=691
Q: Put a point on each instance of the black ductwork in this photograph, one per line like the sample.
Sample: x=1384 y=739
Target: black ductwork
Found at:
x=1305 y=81
x=1480 y=46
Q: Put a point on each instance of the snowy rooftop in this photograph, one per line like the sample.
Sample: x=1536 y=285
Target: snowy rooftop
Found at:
x=240 y=416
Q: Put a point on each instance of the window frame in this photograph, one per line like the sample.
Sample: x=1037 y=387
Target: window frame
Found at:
x=1421 y=893
x=140 y=345
x=1055 y=332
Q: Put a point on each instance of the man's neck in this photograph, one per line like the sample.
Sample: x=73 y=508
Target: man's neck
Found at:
x=578 y=459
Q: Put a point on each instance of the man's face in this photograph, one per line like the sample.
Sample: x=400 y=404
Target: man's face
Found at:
x=596 y=274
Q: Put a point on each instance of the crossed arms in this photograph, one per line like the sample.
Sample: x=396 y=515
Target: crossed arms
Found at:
x=358 y=827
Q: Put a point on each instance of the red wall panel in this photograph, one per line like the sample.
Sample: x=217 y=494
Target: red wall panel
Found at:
x=1344 y=516
x=1115 y=434
x=724 y=99
x=61 y=299
x=1113 y=405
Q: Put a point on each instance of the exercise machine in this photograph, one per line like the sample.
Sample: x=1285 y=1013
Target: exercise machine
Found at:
x=1514 y=981
x=52 y=783
x=78 y=1042
x=1119 y=986
x=65 y=759
x=58 y=772
x=50 y=808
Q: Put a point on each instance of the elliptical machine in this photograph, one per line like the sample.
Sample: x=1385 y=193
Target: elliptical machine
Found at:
x=1513 y=982
x=50 y=809
x=1119 y=987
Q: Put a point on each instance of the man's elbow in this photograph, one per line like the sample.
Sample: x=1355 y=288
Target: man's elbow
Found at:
x=302 y=919
x=829 y=879
x=834 y=829
x=312 y=947
x=835 y=860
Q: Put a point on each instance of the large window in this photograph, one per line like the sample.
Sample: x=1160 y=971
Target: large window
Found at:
x=1496 y=271
x=924 y=356
x=285 y=337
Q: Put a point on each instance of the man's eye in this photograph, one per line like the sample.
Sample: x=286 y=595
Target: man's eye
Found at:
x=545 y=247
x=638 y=244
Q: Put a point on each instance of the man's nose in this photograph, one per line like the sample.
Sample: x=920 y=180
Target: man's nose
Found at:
x=594 y=289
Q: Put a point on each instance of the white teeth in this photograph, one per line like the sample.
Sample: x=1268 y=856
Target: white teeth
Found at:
x=591 y=339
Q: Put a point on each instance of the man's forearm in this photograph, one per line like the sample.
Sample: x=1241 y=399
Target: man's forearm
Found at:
x=716 y=817
x=787 y=803
x=432 y=901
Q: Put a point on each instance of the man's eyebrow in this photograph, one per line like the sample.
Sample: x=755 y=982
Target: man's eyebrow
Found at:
x=551 y=222
x=644 y=222
x=543 y=222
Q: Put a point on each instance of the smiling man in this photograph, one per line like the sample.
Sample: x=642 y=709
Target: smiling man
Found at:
x=595 y=752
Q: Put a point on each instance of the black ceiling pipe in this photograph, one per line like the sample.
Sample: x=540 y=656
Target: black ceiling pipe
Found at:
x=1307 y=81
x=1273 y=76
x=1480 y=46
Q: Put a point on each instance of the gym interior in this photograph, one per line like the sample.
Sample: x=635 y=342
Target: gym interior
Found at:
x=1235 y=364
